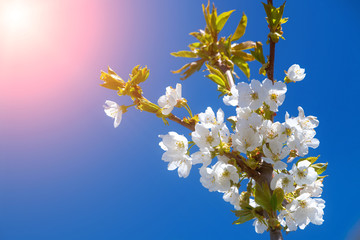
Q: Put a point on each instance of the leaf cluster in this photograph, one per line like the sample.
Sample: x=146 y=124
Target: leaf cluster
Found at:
x=275 y=20
x=219 y=54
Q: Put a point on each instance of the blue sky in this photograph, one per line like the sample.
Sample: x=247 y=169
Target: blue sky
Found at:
x=66 y=173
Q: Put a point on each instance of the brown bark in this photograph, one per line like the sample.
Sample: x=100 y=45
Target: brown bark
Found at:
x=276 y=235
x=174 y=118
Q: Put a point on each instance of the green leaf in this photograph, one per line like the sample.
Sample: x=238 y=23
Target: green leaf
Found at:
x=263 y=196
x=274 y=15
x=199 y=36
x=277 y=198
x=111 y=80
x=213 y=21
x=218 y=80
x=139 y=75
x=222 y=19
x=245 y=56
x=217 y=72
x=191 y=68
x=280 y=12
x=181 y=69
x=244 y=66
x=258 y=53
x=320 y=167
x=240 y=30
x=195 y=45
x=310 y=159
x=243 y=215
x=186 y=54
x=244 y=46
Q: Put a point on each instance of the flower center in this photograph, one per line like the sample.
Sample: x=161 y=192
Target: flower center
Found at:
x=225 y=174
x=254 y=96
x=180 y=145
x=301 y=173
x=302 y=204
x=274 y=96
x=209 y=139
x=288 y=132
x=285 y=181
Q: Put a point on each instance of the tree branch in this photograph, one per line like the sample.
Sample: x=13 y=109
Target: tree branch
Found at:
x=271 y=61
x=249 y=171
x=189 y=126
x=276 y=234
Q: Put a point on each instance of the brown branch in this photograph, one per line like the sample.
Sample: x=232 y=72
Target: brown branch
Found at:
x=271 y=62
x=189 y=126
x=249 y=171
x=266 y=169
x=276 y=234
x=270 y=67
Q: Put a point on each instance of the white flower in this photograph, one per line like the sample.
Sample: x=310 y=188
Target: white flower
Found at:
x=223 y=174
x=305 y=210
x=259 y=226
x=275 y=154
x=176 y=147
x=301 y=132
x=254 y=122
x=252 y=95
x=233 y=99
x=203 y=157
x=273 y=131
x=171 y=98
x=232 y=196
x=301 y=122
x=275 y=94
x=113 y=110
x=258 y=94
x=208 y=119
x=283 y=181
x=289 y=220
x=243 y=113
x=303 y=173
x=246 y=140
x=315 y=189
x=208 y=179
x=295 y=73
x=205 y=138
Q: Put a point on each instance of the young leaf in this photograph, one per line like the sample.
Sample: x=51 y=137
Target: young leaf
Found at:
x=240 y=30
x=222 y=19
x=258 y=53
x=243 y=55
x=217 y=72
x=111 y=80
x=181 y=69
x=320 y=167
x=263 y=196
x=191 y=68
x=218 y=80
x=244 y=46
x=186 y=54
x=310 y=159
x=277 y=198
x=243 y=215
x=244 y=67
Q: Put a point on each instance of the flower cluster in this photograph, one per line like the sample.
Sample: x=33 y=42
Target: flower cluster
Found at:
x=257 y=139
x=244 y=157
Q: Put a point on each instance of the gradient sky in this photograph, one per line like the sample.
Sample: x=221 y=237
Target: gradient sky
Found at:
x=66 y=173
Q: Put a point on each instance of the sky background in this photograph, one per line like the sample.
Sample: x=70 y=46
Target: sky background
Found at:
x=66 y=173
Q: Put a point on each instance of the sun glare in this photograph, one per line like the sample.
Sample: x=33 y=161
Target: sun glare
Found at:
x=17 y=17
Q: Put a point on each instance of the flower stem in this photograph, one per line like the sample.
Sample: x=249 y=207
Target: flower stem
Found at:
x=188 y=109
